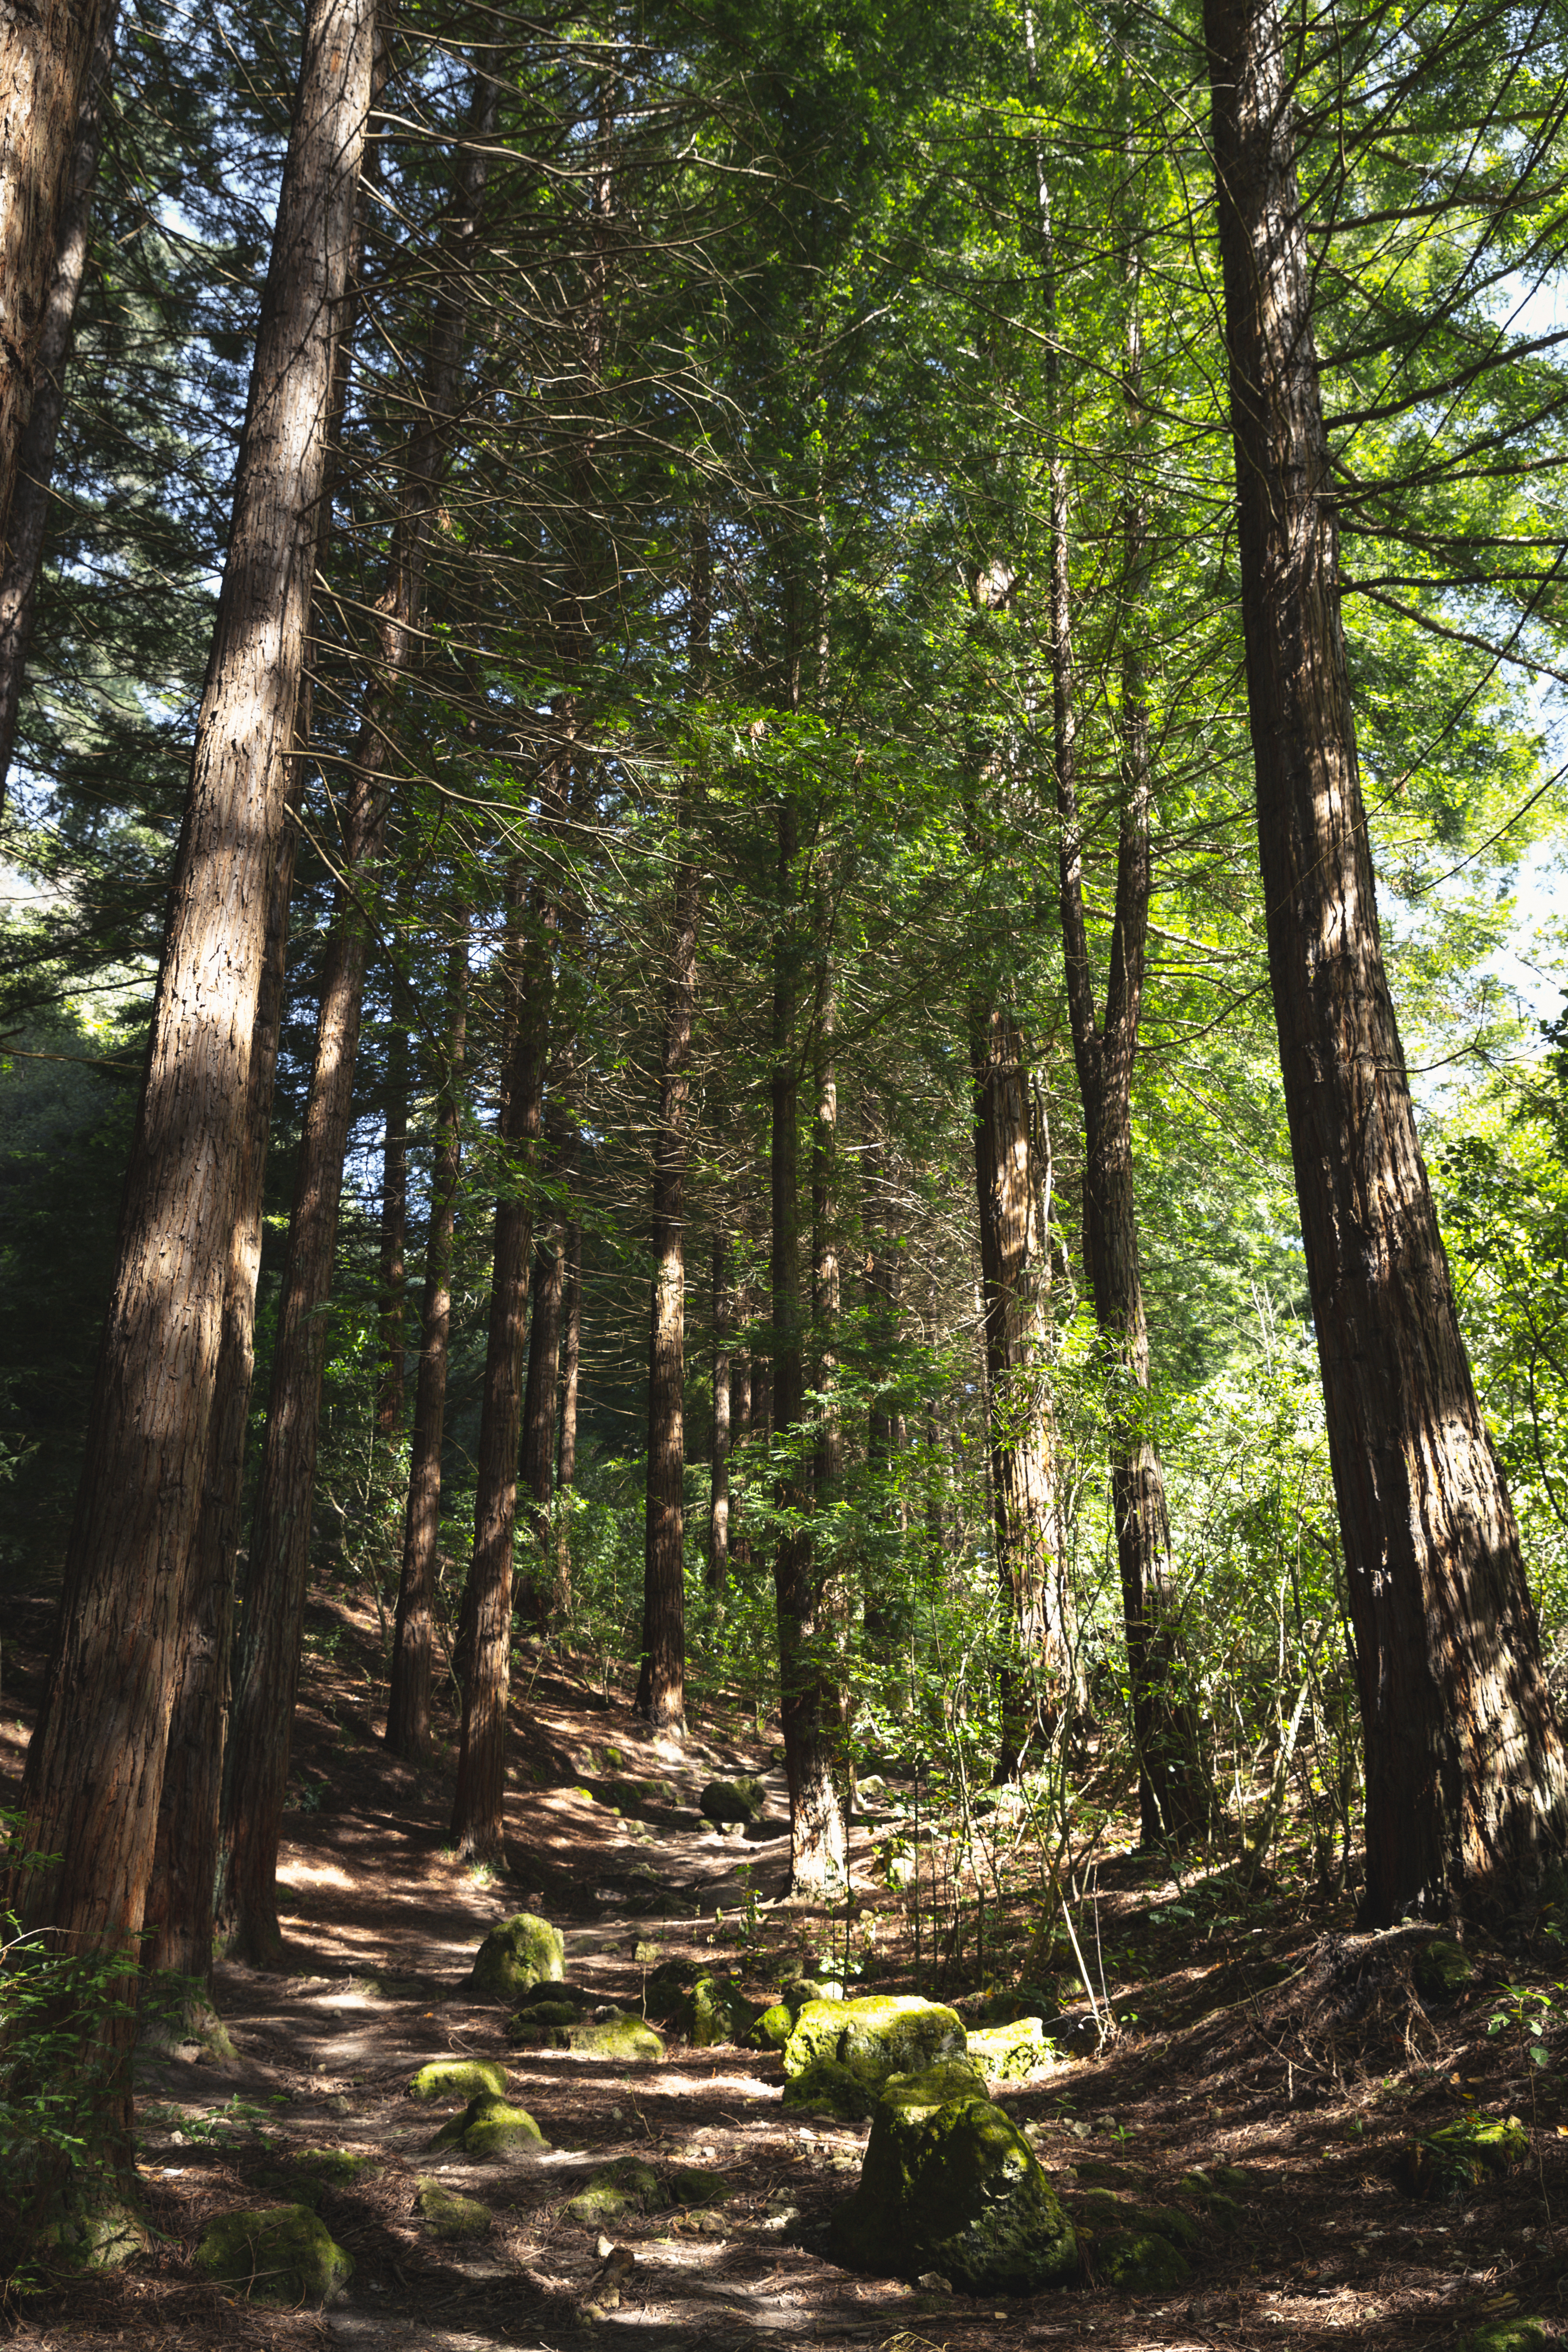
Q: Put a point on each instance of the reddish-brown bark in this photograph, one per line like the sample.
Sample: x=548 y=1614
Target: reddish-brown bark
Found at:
x=1467 y=1790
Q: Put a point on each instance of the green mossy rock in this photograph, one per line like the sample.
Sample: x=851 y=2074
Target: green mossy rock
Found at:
x=1139 y=2262
x=549 y=2013
x=451 y=2218
x=1101 y=2212
x=668 y=1988
x=690 y=2184
x=523 y=1950
x=280 y=2255
x=1447 y=2162
x=1521 y=2334
x=1010 y=2053
x=1098 y=2172
x=459 y=2078
x=731 y=1804
x=950 y=2185
x=879 y=2035
x=488 y=2127
x=289 y=2188
x=627 y=2185
x=774 y=2028
x=829 y=2089
x=716 y=2011
x=332 y=2163
x=625 y=2039
x=1442 y=1970
x=801 y=1990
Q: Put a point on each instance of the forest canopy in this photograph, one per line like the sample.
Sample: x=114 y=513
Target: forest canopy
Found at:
x=804 y=630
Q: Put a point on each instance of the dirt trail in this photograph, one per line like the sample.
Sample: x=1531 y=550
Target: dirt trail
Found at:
x=606 y=1839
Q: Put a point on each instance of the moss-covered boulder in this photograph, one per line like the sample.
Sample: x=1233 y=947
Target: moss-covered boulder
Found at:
x=716 y=2011
x=1520 y=2334
x=693 y=2184
x=459 y=2078
x=1101 y=2212
x=488 y=2127
x=950 y=2185
x=734 y=1804
x=523 y=1950
x=449 y=2216
x=283 y=2255
x=1139 y=2262
x=877 y=2036
x=801 y=1989
x=627 y=2185
x=774 y=2028
x=829 y=2089
x=340 y=2165
x=627 y=2040
x=1010 y=2053
x=1448 y=2162
x=1442 y=1970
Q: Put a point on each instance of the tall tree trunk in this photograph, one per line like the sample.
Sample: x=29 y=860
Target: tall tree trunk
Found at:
x=24 y=540
x=661 y=1677
x=46 y=62
x=566 y=1455
x=1467 y=1791
x=178 y=1917
x=267 y=1680
x=393 y=1227
x=883 y=1612
x=1014 y=1272
x=95 y=1768
x=479 y=1804
x=808 y=1676
x=539 y=1418
x=408 y=1700
x=719 y=1482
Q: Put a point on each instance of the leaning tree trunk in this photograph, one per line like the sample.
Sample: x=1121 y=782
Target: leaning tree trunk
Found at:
x=661 y=1676
x=95 y=1768
x=1467 y=1791
x=394 y=1270
x=267 y=1679
x=1036 y=1681
x=46 y=60
x=408 y=1700
x=24 y=540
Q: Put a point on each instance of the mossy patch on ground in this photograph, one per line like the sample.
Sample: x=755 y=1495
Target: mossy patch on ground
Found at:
x=459 y=2078
x=450 y=2217
x=1446 y=2163
x=950 y=2185
x=488 y=2127
x=1139 y=2262
x=523 y=1950
x=283 y=2255
x=627 y=2185
x=625 y=2039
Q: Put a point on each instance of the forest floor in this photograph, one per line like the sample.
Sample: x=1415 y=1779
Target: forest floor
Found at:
x=1218 y=2058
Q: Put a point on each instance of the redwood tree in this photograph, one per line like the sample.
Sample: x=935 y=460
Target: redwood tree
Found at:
x=95 y=1768
x=1467 y=1790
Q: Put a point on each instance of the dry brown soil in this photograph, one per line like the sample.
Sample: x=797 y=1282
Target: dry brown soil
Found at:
x=382 y=1924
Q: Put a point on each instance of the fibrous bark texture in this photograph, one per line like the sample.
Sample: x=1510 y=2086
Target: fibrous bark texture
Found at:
x=1466 y=1793
x=23 y=539
x=1015 y=1261
x=719 y=1481
x=95 y=1769
x=408 y=1701
x=46 y=59
x=662 y=1675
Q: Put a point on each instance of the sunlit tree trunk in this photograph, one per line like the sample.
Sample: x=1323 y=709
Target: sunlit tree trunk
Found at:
x=539 y=1418
x=808 y=1658
x=408 y=1700
x=95 y=1768
x=267 y=1677
x=24 y=539
x=46 y=63
x=1466 y=1793
x=661 y=1678
x=394 y=1223
x=719 y=1482
x=1014 y=1258
x=566 y=1456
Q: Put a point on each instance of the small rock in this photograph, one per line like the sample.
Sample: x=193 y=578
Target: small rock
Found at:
x=488 y=2127
x=523 y=1950
x=459 y=2078
x=283 y=2255
x=725 y=1802
x=452 y=2218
